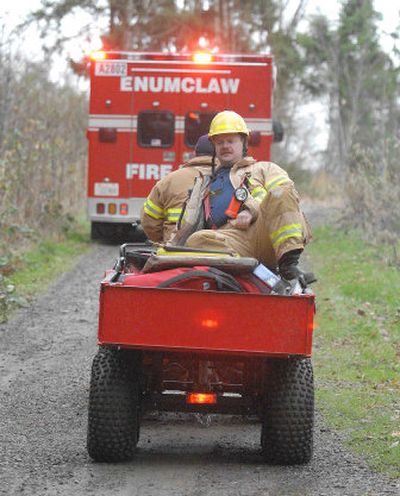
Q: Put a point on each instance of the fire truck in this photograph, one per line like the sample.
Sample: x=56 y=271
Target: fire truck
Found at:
x=147 y=111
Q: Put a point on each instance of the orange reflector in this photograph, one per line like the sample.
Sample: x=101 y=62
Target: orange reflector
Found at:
x=123 y=209
x=100 y=208
x=98 y=55
x=201 y=398
x=202 y=58
x=112 y=208
x=209 y=323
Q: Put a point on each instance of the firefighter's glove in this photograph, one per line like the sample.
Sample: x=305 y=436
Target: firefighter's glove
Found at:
x=289 y=270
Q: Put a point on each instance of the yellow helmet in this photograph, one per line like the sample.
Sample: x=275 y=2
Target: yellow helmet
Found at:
x=227 y=122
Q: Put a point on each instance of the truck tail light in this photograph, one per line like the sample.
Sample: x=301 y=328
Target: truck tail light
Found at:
x=112 y=208
x=254 y=138
x=107 y=135
x=201 y=398
x=100 y=208
x=123 y=209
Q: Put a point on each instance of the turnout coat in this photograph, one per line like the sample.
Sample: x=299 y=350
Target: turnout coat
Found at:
x=278 y=224
x=163 y=207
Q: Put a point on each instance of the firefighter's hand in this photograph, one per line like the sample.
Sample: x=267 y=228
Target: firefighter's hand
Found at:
x=243 y=220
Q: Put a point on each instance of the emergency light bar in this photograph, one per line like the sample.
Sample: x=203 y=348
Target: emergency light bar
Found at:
x=98 y=55
x=202 y=58
x=197 y=58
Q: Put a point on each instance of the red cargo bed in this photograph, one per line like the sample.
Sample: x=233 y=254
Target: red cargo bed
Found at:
x=210 y=321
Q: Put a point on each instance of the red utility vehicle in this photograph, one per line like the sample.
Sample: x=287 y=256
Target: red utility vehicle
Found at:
x=195 y=338
x=147 y=111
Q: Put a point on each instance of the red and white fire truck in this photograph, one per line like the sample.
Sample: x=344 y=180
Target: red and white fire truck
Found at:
x=147 y=111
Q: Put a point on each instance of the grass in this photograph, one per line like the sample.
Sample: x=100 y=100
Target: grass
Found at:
x=357 y=345
x=38 y=266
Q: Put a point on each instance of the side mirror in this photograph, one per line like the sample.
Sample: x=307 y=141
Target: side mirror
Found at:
x=278 y=131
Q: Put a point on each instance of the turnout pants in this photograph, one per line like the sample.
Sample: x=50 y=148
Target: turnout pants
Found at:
x=273 y=233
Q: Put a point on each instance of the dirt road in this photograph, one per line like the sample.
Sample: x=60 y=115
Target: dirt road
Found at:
x=45 y=357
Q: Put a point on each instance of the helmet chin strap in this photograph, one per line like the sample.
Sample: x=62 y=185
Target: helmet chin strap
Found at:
x=245 y=149
x=213 y=164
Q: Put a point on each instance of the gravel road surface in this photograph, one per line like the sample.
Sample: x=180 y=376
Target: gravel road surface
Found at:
x=45 y=357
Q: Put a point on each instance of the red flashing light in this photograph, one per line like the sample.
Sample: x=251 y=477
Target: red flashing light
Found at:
x=98 y=55
x=203 y=42
x=201 y=398
x=123 y=209
x=202 y=58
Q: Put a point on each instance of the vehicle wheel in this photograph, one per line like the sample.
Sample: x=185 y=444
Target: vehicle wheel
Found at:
x=114 y=405
x=288 y=412
x=96 y=231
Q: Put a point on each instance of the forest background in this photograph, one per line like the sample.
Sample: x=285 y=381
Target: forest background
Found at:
x=339 y=66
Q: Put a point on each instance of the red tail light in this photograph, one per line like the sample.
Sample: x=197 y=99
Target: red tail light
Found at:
x=123 y=209
x=201 y=398
x=100 y=208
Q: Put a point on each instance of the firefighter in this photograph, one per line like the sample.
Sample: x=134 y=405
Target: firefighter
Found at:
x=251 y=207
x=163 y=206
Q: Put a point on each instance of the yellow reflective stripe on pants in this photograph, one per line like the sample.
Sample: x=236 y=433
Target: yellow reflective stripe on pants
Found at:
x=173 y=214
x=277 y=181
x=285 y=232
x=153 y=210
